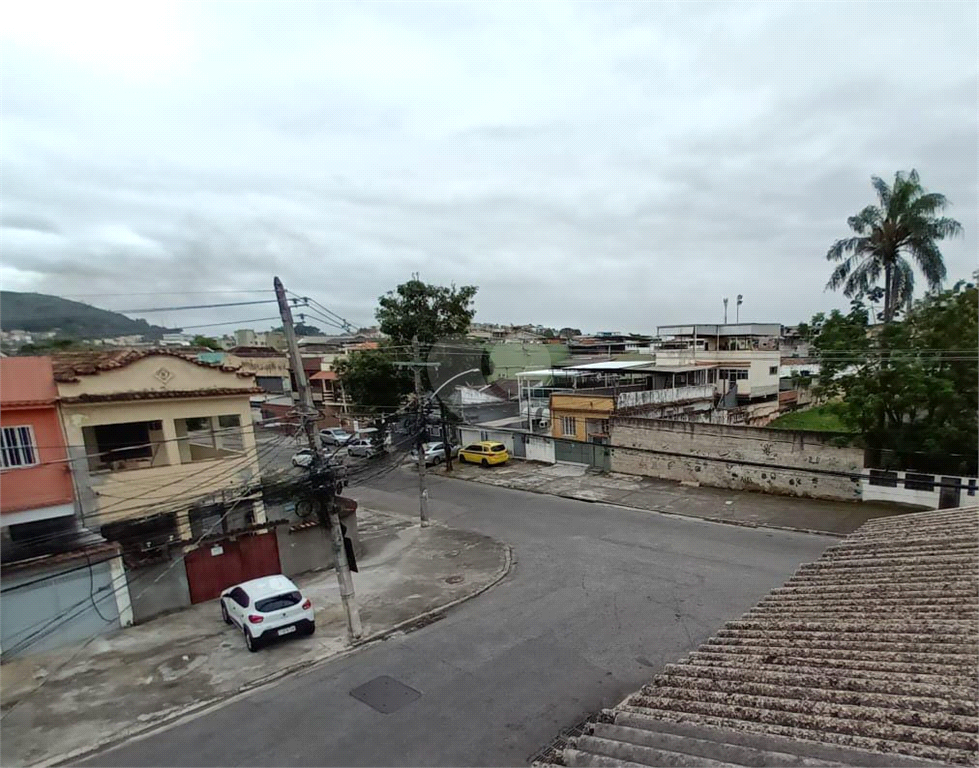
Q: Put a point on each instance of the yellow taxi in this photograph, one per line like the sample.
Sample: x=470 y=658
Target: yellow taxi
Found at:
x=486 y=453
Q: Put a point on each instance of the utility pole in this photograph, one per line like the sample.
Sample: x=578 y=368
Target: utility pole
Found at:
x=446 y=441
x=416 y=366
x=308 y=412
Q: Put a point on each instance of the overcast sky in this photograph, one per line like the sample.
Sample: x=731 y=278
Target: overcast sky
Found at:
x=610 y=166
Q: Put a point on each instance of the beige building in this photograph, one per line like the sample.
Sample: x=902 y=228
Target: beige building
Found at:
x=162 y=445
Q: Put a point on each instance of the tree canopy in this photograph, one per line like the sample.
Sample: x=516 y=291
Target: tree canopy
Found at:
x=910 y=387
x=440 y=317
x=903 y=228
x=432 y=312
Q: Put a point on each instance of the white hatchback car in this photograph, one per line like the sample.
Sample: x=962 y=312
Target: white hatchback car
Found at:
x=266 y=609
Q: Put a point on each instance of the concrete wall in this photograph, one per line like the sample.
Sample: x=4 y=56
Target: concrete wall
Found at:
x=151 y=597
x=540 y=448
x=310 y=549
x=736 y=457
x=56 y=610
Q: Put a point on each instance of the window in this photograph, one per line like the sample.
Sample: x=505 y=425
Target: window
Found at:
x=131 y=445
x=732 y=373
x=497 y=448
x=569 y=426
x=773 y=370
x=239 y=596
x=203 y=438
x=916 y=482
x=18 y=447
x=883 y=478
x=278 y=603
x=476 y=448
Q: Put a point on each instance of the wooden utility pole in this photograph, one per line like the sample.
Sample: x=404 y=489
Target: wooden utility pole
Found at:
x=308 y=414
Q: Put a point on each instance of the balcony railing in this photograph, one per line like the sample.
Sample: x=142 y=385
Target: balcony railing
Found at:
x=665 y=396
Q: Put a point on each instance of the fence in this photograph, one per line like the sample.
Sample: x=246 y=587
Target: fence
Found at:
x=932 y=491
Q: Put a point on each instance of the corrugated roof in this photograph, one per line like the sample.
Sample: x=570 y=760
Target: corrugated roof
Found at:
x=866 y=657
x=609 y=365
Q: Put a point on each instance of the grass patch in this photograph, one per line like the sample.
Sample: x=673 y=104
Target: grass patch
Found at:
x=822 y=418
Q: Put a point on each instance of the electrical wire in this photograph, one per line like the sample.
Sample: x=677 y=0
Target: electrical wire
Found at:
x=197 y=306
x=182 y=500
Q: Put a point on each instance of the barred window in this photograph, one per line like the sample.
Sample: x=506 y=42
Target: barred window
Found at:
x=17 y=447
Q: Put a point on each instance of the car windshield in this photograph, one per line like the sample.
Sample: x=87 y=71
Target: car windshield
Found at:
x=278 y=603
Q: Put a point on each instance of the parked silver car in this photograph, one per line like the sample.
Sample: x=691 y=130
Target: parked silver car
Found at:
x=434 y=453
x=335 y=436
x=365 y=449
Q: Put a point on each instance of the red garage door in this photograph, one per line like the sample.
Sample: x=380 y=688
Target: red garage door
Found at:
x=213 y=568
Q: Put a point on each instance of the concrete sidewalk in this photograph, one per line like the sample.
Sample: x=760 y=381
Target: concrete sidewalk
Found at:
x=63 y=704
x=577 y=481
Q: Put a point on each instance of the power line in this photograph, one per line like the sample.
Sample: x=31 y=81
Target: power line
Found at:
x=197 y=306
x=230 y=322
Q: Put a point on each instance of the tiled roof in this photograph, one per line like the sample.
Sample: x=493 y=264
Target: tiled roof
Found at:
x=255 y=352
x=164 y=394
x=69 y=366
x=866 y=657
x=324 y=376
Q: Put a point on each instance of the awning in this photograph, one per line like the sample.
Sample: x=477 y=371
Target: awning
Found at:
x=324 y=376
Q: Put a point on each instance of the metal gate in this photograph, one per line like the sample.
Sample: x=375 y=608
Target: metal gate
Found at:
x=593 y=454
x=212 y=568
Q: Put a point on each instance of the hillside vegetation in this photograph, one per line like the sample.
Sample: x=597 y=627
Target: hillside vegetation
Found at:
x=38 y=312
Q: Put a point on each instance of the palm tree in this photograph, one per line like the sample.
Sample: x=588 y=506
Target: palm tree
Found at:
x=904 y=224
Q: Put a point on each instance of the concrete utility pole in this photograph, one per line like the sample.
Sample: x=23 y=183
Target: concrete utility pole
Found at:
x=416 y=366
x=422 y=482
x=308 y=415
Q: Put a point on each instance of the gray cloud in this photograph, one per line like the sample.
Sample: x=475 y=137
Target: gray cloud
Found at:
x=607 y=166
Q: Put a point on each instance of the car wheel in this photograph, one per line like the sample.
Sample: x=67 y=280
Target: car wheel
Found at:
x=310 y=629
x=462 y=459
x=485 y=463
x=437 y=460
x=251 y=643
x=224 y=613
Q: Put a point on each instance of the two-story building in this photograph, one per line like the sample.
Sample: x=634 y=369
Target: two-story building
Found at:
x=745 y=357
x=62 y=583
x=162 y=445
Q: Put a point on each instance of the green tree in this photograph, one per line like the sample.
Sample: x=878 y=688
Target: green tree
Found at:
x=440 y=317
x=432 y=312
x=904 y=225
x=206 y=341
x=372 y=381
x=910 y=388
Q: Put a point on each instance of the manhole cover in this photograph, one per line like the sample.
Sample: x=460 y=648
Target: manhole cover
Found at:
x=385 y=694
x=455 y=579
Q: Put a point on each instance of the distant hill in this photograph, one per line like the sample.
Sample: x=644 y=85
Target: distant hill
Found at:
x=38 y=312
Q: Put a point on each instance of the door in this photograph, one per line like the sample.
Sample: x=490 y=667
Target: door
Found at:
x=949 y=493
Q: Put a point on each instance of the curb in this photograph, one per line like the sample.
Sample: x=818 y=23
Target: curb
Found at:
x=187 y=713
x=721 y=520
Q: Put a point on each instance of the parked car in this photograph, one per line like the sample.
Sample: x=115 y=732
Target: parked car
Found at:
x=266 y=609
x=434 y=453
x=365 y=449
x=302 y=458
x=335 y=436
x=486 y=453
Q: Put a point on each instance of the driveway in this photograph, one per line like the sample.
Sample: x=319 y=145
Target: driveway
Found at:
x=598 y=600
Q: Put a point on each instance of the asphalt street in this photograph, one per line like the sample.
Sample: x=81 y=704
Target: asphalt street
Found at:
x=598 y=600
